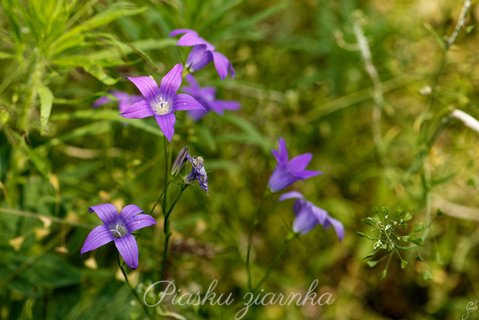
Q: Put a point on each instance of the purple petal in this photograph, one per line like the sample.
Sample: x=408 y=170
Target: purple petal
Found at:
x=291 y=195
x=147 y=86
x=98 y=237
x=305 y=221
x=171 y=82
x=300 y=162
x=181 y=31
x=219 y=106
x=167 y=124
x=134 y=220
x=338 y=226
x=186 y=102
x=140 y=109
x=193 y=39
x=198 y=58
x=129 y=211
x=140 y=221
x=126 y=102
x=192 y=81
x=222 y=65
x=305 y=174
x=280 y=179
x=196 y=114
x=320 y=214
x=106 y=212
x=101 y=101
x=128 y=249
x=282 y=154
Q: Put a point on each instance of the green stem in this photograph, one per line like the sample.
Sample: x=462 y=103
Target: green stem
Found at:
x=273 y=263
x=250 y=237
x=166 y=231
x=165 y=189
x=125 y=275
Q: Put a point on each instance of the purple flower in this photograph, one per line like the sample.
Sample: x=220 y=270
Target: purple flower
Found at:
x=207 y=97
x=118 y=228
x=125 y=100
x=198 y=172
x=202 y=53
x=308 y=215
x=161 y=102
x=287 y=171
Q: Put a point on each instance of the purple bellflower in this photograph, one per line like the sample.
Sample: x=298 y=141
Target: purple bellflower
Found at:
x=288 y=171
x=197 y=172
x=207 y=97
x=202 y=53
x=118 y=228
x=161 y=102
x=308 y=215
x=124 y=99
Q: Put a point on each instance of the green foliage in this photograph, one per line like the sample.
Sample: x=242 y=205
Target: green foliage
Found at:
x=300 y=76
x=390 y=235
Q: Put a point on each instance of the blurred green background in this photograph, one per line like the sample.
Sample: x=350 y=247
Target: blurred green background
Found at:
x=383 y=136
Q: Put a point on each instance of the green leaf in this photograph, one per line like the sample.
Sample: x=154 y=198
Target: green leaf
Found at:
x=46 y=100
x=403 y=264
x=5 y=55
x=109 y=115
x=120 y=49
x=437 y=37
x=250 y=134
x=99 y=73
x=407 y=216
x=369 y=221
x=384 y=273
x=372 y=264
x=101 y=19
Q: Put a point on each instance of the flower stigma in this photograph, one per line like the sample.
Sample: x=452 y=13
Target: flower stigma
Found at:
x=161 y=107
x=118 y=230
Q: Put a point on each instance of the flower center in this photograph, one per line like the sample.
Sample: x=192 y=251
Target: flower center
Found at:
x=160 y=106
x=118 y=230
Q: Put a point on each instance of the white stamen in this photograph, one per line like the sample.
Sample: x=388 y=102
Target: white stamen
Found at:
x=160 y=106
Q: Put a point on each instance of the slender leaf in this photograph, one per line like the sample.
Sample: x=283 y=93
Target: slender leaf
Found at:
x=46 y=100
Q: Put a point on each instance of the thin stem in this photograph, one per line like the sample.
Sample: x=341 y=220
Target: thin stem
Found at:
x=250 y=236
x=165 y=189
x=378 y=92
x=157 y=201
x=273 y=263
x=166 y=231
x=125 y=275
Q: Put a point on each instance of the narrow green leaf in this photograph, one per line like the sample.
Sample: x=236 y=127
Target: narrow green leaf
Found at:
x=101 y=19
x=5 y=55
x=99 y=73
x=250 y=133
x=437 y=37
x=384 y=274
x=46 y=100
x=111 y=115
x=372 y=263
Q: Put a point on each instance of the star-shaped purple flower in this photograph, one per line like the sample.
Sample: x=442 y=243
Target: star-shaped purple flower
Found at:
x=124 y=99
x=202 y=53
x=161 y=102
x=288 y=171
x=308 y=215
x=118 y=228
x=207 y=97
